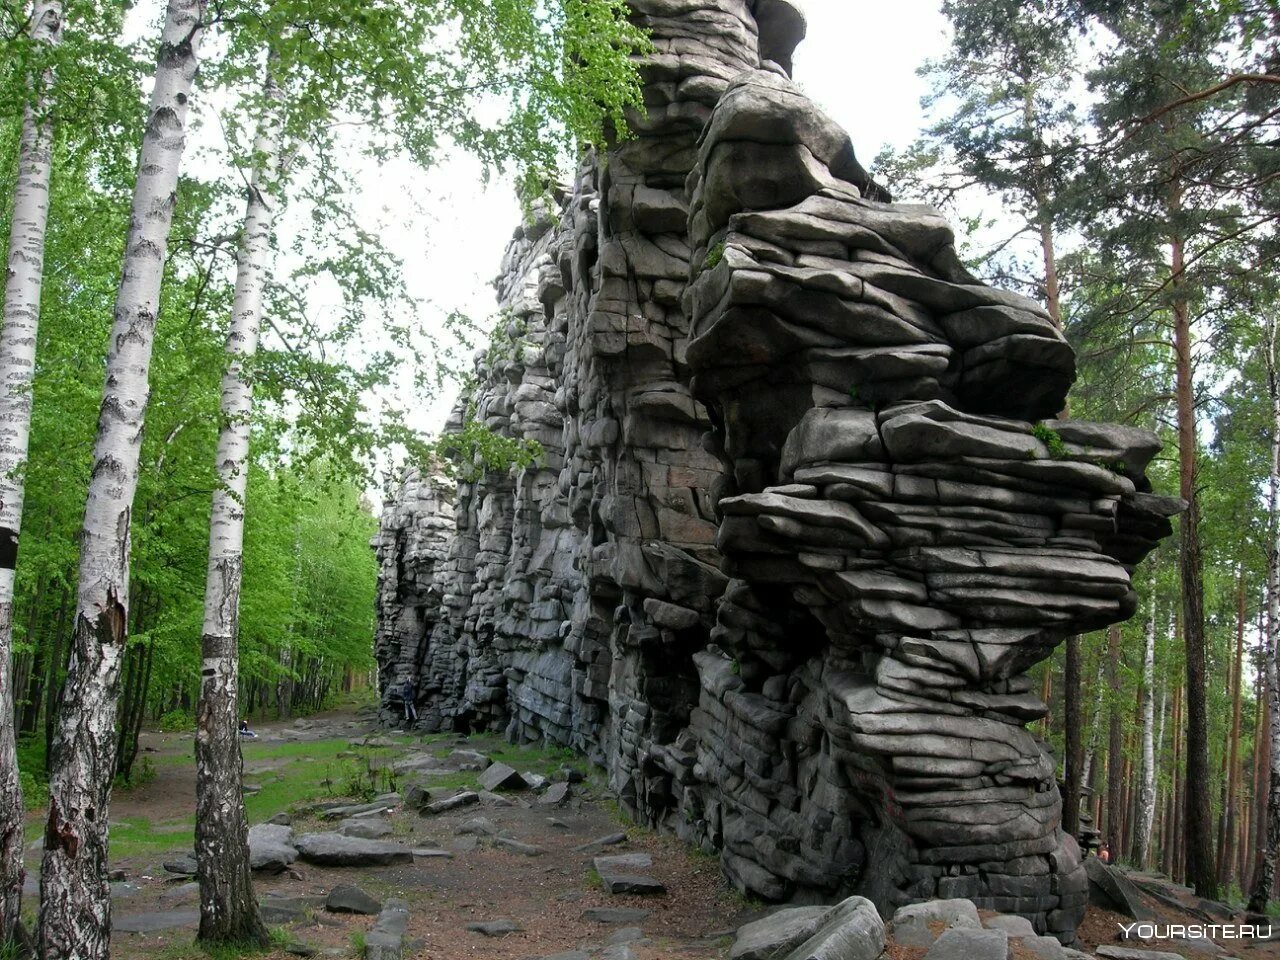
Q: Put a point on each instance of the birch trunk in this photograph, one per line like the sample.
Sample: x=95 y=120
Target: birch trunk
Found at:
x=228 y=910
x=75 y=903
x=23 y=279
x=1265 y=879
x=1147 y=797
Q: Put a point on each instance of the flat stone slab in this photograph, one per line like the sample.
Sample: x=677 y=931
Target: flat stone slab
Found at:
x=911 y=924
x=777 y=933
x=479 y=827
x=555 y=795
x=455 y=802
x=1110 y=888
x=155 y=922
x=1128 y=953
x=499 y=776
x=495 y=928
x=610 y=840
x=616 y=883
x=348 y=898
x=277 y=910
x=623 y=861
x=335 y=850
x=365 y=828
x=386 y=940
x=428 y=853
x=616 y=915
x=851 y=930
x=181 y=866
x=517 y=846
x=1014 y=926
x=963 y=943
x=387 y=802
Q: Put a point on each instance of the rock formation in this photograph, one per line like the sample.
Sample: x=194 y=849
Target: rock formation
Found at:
x=799 y=530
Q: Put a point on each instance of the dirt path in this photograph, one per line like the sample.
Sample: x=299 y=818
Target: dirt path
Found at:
x=549 y=895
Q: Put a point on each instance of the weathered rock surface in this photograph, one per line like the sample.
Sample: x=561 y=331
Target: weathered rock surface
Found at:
x=348 y=898
x=335 y=850
x=386 y=940
x=271 y=847
x=803 y=521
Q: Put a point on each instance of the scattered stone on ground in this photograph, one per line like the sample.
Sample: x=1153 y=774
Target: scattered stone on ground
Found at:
x=155 y=922
x=620 y=874
x=610 y=840
x=964 y=943
x=499 y=776
x=554 y=795
x=918 y=924
x=335 y=850
x=365 y=828
x=614 y=914
x=1110 y=888
x=778 y=933
x=386 y=940
x=348 y=898
x=444 y=805
x=478 y=826
x=271 y=847
x=181 y=866
x=1110 y=952
x=495 y=928
x=519 y=846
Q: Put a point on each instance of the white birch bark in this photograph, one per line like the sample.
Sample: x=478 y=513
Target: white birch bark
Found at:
x=1147 y=796
x=75 y=905
x=24 y=277
x=228 y=910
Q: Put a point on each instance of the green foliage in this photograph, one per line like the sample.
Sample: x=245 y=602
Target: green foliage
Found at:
x=475 y=450
x=176 y=721
x=714 y=256
x=1051 y=439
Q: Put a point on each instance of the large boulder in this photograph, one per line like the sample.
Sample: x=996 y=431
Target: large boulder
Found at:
x=852 y=930
x=777 y=933
x=918 y=924
x=271 y=847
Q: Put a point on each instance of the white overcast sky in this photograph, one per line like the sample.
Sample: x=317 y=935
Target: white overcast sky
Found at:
x=859 y=63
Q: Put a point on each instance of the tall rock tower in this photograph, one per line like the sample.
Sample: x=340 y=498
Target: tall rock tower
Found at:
x=804 y=520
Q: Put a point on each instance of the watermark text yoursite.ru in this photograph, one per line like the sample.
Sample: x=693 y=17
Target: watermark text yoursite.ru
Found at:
x=1195 y=931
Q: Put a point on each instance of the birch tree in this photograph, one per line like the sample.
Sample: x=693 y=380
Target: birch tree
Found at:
x=228 y=910
x=75 y=902
x=23 y=280
x=1147 y=794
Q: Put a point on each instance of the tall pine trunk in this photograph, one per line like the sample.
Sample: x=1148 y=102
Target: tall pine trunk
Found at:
x=1265 y=876
x=1147 y=795
x=75 y=902
x=23 y=280
x=1072 y=712
x=228 y=910
x=1201 y=864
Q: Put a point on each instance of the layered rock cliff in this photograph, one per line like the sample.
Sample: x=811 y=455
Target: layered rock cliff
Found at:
x=799 y=529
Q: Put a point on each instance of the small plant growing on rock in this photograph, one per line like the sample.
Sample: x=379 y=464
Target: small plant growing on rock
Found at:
x=1051 y=439
x=714 y=256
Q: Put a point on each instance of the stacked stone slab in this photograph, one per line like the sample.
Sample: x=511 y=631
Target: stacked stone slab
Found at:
x=800 y=529
x=413 y=538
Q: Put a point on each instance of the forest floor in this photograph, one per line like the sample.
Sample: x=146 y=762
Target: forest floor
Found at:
x=547 y=894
